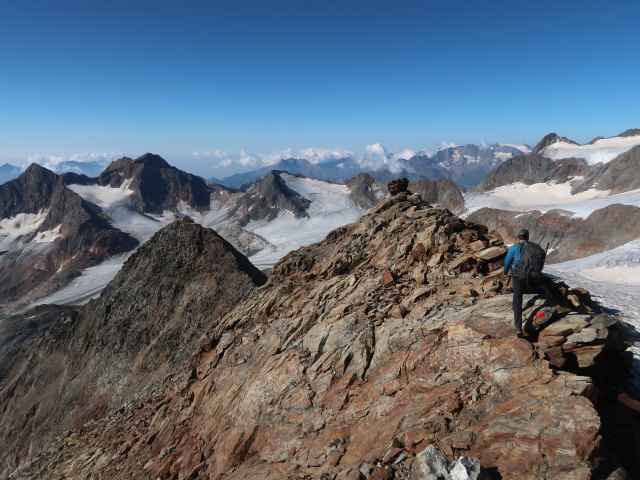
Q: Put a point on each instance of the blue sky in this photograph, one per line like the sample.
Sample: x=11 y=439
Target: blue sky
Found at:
x=263 y=76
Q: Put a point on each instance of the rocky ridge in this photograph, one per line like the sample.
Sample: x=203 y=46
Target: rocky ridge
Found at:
x=361 y=351
x=136 y=338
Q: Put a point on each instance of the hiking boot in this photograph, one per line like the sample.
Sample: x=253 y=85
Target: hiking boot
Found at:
x=519 y=334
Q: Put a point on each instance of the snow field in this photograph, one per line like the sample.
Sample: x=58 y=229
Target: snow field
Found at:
x=602 y=151
x=545 y=197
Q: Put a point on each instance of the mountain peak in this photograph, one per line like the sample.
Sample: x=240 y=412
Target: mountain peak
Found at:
x=151 y=160
x=632 y=132
x=550 y=139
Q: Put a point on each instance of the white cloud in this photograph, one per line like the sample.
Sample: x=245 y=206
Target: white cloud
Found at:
x=227 y=162
x=247 y=160
x=405 y=154
x=218 y=154
x=444 y=144
x=57 y=163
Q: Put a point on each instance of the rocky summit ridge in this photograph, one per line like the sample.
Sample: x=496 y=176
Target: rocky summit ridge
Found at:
x=360 y=352
x=136 y=338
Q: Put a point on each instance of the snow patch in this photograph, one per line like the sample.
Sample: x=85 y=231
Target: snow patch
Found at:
x=103 y=196
x=624 y=274
x=601 y=151
x=22 y=223
x=48 y=236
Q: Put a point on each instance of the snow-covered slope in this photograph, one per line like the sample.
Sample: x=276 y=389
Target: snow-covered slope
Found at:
x=545 y=197
x=600 y=151
x=21 y=239
x=330 y=208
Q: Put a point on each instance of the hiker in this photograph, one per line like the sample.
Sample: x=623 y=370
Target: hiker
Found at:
x=525 y=260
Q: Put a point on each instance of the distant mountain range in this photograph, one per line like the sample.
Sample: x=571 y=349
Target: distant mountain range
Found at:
x=465 y=165
x=55 y=227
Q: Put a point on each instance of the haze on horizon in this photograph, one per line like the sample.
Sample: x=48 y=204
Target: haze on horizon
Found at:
x=209 y=83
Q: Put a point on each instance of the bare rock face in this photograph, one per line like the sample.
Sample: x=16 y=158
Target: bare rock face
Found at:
x=568 y=237
x=617 y=176
x=362 y=350
x=443 y=193
x=136 y=338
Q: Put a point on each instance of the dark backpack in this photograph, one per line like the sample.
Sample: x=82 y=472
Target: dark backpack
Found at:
x=531 y=262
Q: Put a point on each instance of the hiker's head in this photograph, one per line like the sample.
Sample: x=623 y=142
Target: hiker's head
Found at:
x=523 y=235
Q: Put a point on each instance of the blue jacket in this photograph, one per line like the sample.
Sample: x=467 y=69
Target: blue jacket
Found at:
x=513 y=258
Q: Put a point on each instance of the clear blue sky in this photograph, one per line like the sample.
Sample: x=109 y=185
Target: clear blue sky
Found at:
x=175 y=77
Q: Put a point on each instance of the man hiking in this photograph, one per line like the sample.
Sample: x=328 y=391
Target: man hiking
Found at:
x=525 y=260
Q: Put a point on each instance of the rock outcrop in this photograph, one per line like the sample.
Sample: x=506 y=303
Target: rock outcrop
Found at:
x=362 y=350
x=135 y=339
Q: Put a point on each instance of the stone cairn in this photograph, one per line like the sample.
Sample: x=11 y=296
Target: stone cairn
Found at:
x=399 y=185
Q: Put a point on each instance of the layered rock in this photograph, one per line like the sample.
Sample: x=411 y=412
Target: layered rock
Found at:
x=135 y=339
x=361 y=351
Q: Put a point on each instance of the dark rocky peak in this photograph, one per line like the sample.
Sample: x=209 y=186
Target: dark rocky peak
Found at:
x=594 y=140
x=70 y=178
x=138 y=335
x=117 y=171
x=443 y=192
x=157 y=185
x=29 y=193
x=550 y=139
x=269 y=196
x=632 y=132
x=365 y=191
x=152 y=160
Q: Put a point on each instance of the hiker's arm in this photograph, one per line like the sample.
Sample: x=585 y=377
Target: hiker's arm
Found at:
x=508 y=260
x=629 y=402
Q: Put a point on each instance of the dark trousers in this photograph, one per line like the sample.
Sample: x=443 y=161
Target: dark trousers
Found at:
x=518 y=290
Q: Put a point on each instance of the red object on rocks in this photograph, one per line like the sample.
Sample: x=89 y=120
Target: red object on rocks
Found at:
x=539 y=314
